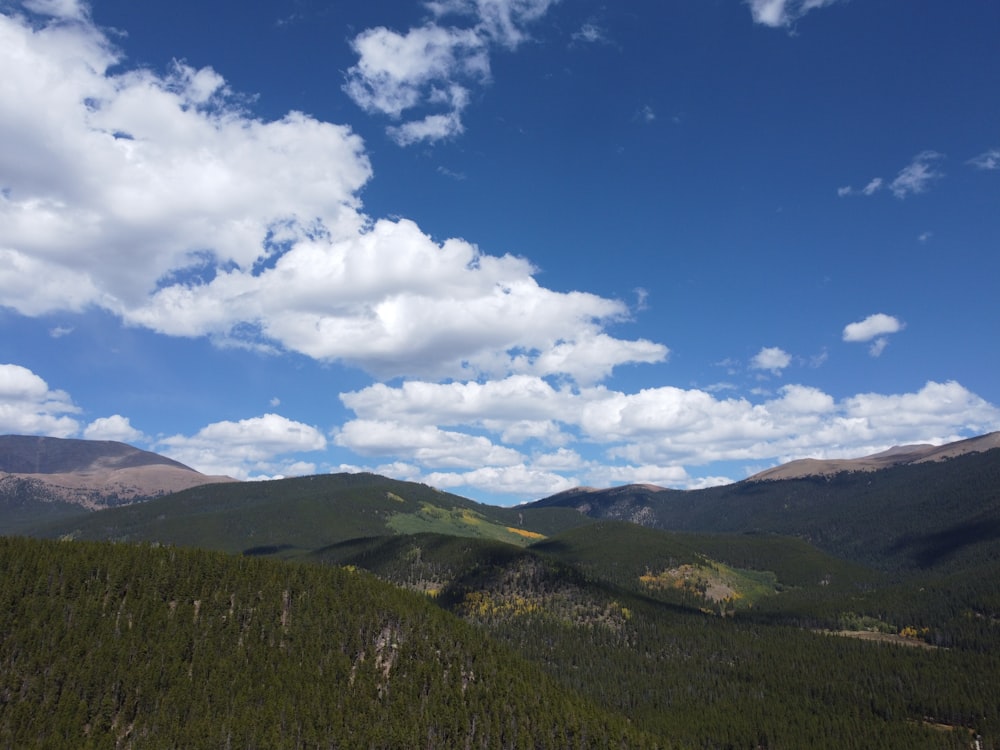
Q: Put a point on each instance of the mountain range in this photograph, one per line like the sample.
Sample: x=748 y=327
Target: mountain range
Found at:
x=379 y=613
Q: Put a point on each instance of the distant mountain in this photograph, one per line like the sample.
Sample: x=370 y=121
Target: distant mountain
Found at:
x=896 y=456
x=42 y=477
x=925 y=508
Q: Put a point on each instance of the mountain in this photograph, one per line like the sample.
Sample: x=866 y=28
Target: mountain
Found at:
x=928 y=508
x=294 y=516
x=710 y=625
x=899 y=455
x=44 y=477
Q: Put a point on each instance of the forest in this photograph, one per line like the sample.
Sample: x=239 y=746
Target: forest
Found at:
x=138 y=646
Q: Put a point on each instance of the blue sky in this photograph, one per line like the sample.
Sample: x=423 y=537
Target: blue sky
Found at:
x=503 y=247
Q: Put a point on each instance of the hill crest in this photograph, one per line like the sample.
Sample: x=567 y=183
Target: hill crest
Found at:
x=896 y=456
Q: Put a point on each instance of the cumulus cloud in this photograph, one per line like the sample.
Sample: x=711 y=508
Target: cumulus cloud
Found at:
x=252 y=232
x=650 y=436
x=427 y=445
x=771 y=358
x=246 y=447
x=780 y=13
x=433 y=66
x=115 y=427
x=29 y=407
x=508 y=480
x=874 y=328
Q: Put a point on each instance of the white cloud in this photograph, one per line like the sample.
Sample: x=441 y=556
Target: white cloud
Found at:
x=432 y=66
x=779 y=13
x=29 y=407
x=658 y=430
x=396 y=72
x=878 y=346
x=873 y=186
x=661 y=476
x=988 y=160
x=115 y=427
x=917 y=175
x=244 y=448
x=516 y=480
x=771 y=358
x=912 y=179
x=590 y=33
x=426 y=445
x=252 y=232
x=872 y=326
x=72 y=10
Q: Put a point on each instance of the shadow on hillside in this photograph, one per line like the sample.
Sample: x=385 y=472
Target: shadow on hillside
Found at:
x=928 y=550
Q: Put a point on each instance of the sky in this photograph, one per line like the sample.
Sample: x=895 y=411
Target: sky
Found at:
x=501 y=247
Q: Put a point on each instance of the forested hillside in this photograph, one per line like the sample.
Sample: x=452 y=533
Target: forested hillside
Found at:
x=742 y=660
x=920 y=516
x=290 y=517
x=140 y=647
x=590 y=631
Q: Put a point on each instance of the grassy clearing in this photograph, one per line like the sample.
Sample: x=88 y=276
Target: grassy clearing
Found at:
x=716 y=582
x=458 y=522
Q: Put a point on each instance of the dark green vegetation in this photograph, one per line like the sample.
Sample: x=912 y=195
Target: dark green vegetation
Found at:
x=133 y=646
x=26 y=503
x=717 y=638
x=919 y=516
x=766 y=674
x=293 y=516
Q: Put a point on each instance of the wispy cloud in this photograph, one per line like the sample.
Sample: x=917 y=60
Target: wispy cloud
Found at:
x=590 y=33
x=645 y=114
x=783 y=13
x=914 y=178
x=988 y=160
x=433 y=66
x=917 y=175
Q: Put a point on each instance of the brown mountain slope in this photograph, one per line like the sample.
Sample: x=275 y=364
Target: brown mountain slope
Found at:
x=90 y=473
x=896 y=456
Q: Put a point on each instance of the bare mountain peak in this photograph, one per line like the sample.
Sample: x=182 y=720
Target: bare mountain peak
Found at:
x=896 y=456
x=91 y=473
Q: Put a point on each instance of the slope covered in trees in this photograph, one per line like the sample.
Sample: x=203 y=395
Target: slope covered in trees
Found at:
x=920 y=516
x=134 y=646
x=717 y=674
x=296 y=516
